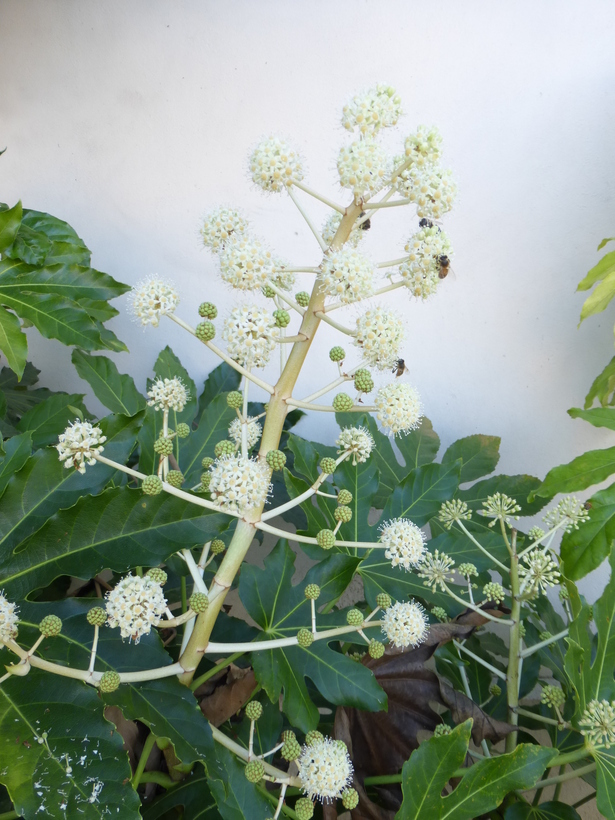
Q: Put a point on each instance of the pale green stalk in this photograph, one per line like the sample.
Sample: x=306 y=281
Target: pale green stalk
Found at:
x=512 y=678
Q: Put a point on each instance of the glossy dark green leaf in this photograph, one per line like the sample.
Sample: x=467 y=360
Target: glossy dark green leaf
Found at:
x=29 y=246
x=237 y=799
x=552 y=810
x=20 y=396
x=17 y=451
x=420 y=495
x=420 y=446
x=479 y=456
x=213 y=427
x=66 y=246
x=222 y=379
x=602 y=387
x=456 y=543
x=13 y=341
x=362 y=481
x=114 y=389
x=192 y=794
x=587 y=469
x=605 y=782
x=71 y=281
x=10 y=220
x=307 y=456
x=583 y=550
x=45 y=421
x=518 y=487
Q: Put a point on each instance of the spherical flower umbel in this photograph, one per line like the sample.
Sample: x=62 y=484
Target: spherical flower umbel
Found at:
x=274 y=164
x=79 y=444
x=8 y=619
x=220 y=225
x=553 y=696
x=250 y=334
x=253 y=431
x=405 y=624
x=599 y=722
x=246 y=264
x=329 y=229
x=467 y=570
x=168 y=394
x=431 y=187
x=379 y=335
x=356 y=440
x=325 y=769
x=436 y=569
x=424 y=146
x=152 y=298
x=451 y=511
x=363 y=166
x=500 y=507
x=404 y=542
x=368 y=112
x=570 y=511
x=421 y=271
x=347 y=275
x=541 y=571
x=135 y=605
x=239 y=484
x=398 y=407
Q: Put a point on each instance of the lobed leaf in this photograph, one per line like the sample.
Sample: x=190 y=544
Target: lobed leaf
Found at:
x=479 y=456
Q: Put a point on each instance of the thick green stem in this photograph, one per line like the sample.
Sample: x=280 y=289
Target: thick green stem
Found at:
x=512 y=678
x=147 y=749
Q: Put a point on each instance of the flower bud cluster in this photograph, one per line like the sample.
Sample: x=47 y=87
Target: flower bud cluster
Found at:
x=540 y=573
x=79 y=443
x=451 y=511
x=598 y=721
x=380 y=107
x=570 y=512
x=437 y=569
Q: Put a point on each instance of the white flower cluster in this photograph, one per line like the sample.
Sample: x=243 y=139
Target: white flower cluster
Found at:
x=398 y=407
x=151 y=299
x=274 y=164
x=404 y=542
x=284 y=280
x=500 y=507
x=454 y=510
x=437 y=569
x=421 y=272
x=347 y=275
x=168 y=394
x=251 y=335
x=424 y=147
x=8 y=619
x=379 y=334
x=363 y=166
x=355 y=440
x=220 y=225
x=135 y=605
x=570 y=512
x=325 y=769
x=239 y=484
x=329 y=229
x=405 y=624
x=541 y=571
x=254 y=431
x=79 y=443
x=246 y=264
x=599 y=720
x=431 y=187
x=380 y=107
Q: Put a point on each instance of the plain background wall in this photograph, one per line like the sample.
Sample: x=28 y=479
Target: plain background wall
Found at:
x=131 y=120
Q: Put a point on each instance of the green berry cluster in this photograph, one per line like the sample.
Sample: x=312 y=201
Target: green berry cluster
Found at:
x=305 y=638
x=109 y=681
x=325 y=539
x=224 y=448
x=158 y=575
x=198 y=602
x=494 y=592
x=175 y=478
x=363 y=381
x=553 y=696
x=344 y=497
x=354 y=617
x=302 y=298
x=440 y=613
x=255 y=771
x=276 y=459
x=163 y=446
x=183 y=431
x=350 y=799
x=50 y=626
x=234 y=399
x=254 y=710
x=291 y=749
x=328 y=465
x=304 y=808
x=375 y=649
x=152 y=485
x=97 y=616
x=495 y=690
x=342 y=402
x=442 y=729
x=383 y=600
x=207 y=310
x=205 y=331
x=207 y=462
x=313 y=736
x=337 y=354
x=268 y=292
x=217 y=546
x=467 y=570
x=205 y=482
x=312 y=592
x=281 y=318
x=342 y=513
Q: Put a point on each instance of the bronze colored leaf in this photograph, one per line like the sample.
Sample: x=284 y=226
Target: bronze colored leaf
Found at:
x=227 y=699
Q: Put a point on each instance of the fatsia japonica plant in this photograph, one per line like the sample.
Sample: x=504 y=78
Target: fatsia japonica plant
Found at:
x=417 y=670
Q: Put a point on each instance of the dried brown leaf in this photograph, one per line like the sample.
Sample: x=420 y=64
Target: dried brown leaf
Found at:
x=228 y=698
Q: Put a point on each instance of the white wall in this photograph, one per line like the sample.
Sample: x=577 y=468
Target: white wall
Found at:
x=130 y=120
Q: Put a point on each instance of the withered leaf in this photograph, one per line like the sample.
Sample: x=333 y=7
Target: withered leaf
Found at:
x=230 y=696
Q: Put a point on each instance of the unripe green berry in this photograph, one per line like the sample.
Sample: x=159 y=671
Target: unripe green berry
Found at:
x=304 y=808
x=337 y=353
x=467 y=570
x=291 y=749
x=328 y=465
x=217 y=546
x=383 y=600
x=553 y=696
x=163 y=446
x=564 y=595
x=205 y=482
x=175 y=478
x=375 y=649
x=494 y=592
x=305 y=638
x=276 y=459
x=313 y=736
x=224 y=448
x=440 y=613
x=442 y=729
x=344 y=497
x=254 y=710
x=302 y=298
x=207 y=310
x=495 y=690
x=205 y=331
x=342 y=402
x=198 y=602
x=325 y=539
x=268 y=292
x=544 y=636
x=234 y=399
x=363 y=381
x=342 y=513
x=109 y=681
x=182 y=430
x=50 y=626
x=354 y=617
x=158 y=575
x=288 y=733
x=207 y=462
x=350 y=799
x=152 y=485
x=255 y=771
x=312 y=592
x=97 y=616
x=522 y=629
x=282 y=318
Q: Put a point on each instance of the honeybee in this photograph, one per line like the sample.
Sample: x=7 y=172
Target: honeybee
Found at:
x=400 y=368
x=425 y=223
x=444 y=264
x=367 y=224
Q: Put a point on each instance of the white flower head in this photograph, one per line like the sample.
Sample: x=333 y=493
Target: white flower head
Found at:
x=239 y=484
x=421 y=272
x=347 y=275
x=254 y=431
x=251 y=335
x=363 y=166
x=152 y=298
x=405 y=624
x=404 y=542
x=325 y=769
x=79 y=443
x=168 y=394
x=220 y=225
x=455 y=510
x=423 y=147
x=570 y=511
x=599 y=720
x=274 y=164
x=329 y=229
x=432 y=189
x=541 y=571
x=282 y=278
x=380 y=107
x=355 y=440
x=399 y=407
x=437 y=569
x=8 y=619
x=500 y=507
x=135 y=605
x=246 y=264
x=379 y=334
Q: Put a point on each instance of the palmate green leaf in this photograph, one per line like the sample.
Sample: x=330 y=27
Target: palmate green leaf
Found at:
x=420 y=495
x=45 y=421
x=10 y=220
x=605 y=782
x=43 y=485
x=114 y=389
x=553 y=810
x=281 y=609
x=455 y=543
x=192 y=794
x=518 y=487
x=583 y=550
x=362 y=481
x=587 y=469
x=481 y=790
x=604 y=267
x=13 y=341
x=479 y=456
x=307 y=455
x=79 y=769
x=237 y=799
x=213 y=427
x=602 y=387
x=221 y=380
x=17 y=451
